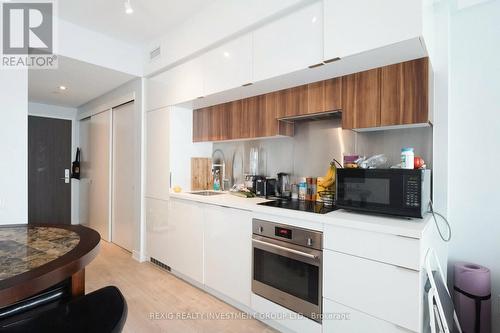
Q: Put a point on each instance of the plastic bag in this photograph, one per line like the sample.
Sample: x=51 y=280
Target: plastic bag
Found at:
x=376 y=161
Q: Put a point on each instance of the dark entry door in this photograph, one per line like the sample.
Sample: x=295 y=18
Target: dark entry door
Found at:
x=49 y=191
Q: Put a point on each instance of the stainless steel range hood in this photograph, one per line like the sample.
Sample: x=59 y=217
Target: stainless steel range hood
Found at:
x=313 y=116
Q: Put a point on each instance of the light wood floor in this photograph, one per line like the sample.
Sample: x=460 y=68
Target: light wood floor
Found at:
x=148 y=289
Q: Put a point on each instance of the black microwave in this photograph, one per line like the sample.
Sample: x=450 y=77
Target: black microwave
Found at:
x=399 y=192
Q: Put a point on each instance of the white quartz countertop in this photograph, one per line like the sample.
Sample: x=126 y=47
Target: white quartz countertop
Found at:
x=413 y=228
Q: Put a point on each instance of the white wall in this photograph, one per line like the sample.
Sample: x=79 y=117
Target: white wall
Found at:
x=182 y=147
x=51 y=111
x=436 y=34
x=89 y=46
x=13 y=146
x=124 y=93
x=474 y=139
x=59 y=112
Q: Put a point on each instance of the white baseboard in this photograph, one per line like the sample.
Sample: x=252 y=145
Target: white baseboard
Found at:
x=18 y=220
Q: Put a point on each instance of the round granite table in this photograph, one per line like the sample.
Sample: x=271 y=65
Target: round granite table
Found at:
x=34 y=258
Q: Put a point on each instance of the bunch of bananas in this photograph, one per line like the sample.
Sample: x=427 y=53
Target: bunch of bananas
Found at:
x=327 y=182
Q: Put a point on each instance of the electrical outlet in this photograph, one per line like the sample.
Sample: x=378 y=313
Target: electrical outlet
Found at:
x=2 y=204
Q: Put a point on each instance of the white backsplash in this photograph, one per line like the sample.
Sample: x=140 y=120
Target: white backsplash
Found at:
x=316 y=143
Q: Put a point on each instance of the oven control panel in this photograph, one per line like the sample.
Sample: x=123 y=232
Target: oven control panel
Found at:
x=299 y=236
x=283 y=232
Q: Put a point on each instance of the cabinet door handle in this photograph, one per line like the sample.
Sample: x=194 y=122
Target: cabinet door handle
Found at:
x=331 y=60
x=300 y=253
x=405 y=268
x=316 y=65
x=408 y=237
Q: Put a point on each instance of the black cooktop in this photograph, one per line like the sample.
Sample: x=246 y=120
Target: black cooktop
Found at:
x=301 y=205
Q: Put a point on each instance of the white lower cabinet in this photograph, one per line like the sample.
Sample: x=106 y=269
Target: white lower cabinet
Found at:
x=209 y=244
x=184 y=241
x=339 y=318
x=228 y=252
x=157 y=228
x=386 y=248
x=384 y=291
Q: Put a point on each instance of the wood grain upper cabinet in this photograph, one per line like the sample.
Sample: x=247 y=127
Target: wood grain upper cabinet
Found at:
x=324 y=96
x=201 y=125
x=317 y=97
x=211 y=123
x=220 y=121
x=387 y=96
x=239 y=118
x=288 y=44
x=355 y=26
x=253 y=117
x=361 y=99
x=404 y=93
x=261 y=113
x=292 y=102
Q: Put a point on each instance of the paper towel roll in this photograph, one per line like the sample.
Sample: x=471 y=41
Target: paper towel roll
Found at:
x=473 y=294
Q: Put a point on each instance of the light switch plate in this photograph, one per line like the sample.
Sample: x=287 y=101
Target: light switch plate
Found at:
x=2 y=204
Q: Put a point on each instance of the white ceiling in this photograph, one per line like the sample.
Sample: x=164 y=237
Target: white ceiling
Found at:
x=84 y=82
x=150 y=20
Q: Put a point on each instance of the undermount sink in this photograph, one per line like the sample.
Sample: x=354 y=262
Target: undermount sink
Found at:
x=206 y=193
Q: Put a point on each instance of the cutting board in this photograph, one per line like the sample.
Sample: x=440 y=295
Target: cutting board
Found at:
x=201 y=173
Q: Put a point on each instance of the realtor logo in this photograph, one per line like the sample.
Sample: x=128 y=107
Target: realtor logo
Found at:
x=28 y=35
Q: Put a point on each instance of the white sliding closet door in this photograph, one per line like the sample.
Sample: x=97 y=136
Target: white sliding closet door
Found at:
x=98 y=173
x=124 y=177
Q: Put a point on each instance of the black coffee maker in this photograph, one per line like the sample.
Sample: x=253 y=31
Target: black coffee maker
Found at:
x=283 y=187
x=259 y=185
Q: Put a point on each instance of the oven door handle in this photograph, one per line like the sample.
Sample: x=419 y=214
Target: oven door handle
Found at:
x=286 y=249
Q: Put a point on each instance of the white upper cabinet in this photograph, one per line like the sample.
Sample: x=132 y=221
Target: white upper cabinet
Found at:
x=155 y=95
x=180 y=84
x=354 y=26
x=157 y=154
x=289 y=44
x=228 y=66
x=188 y=78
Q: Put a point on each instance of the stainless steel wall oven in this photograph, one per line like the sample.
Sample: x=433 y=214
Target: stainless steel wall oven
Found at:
x=287 y=267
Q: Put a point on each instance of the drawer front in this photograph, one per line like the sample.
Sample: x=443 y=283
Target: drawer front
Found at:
x=391 y=249
x=339 y=318
x=383 y=291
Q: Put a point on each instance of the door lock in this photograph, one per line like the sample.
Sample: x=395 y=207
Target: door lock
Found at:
x=66 y=176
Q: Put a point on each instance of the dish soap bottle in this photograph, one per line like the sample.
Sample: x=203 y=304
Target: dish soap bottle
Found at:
x=217 y=181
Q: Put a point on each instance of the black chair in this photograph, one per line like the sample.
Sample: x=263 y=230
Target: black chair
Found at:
x=102 y=311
